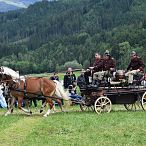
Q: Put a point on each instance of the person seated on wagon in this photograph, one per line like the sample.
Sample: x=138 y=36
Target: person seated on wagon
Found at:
x=73 y=91
x=106 y=68
x=143 y=80
x=81 y=79
x=135 y=66
x=97 y=66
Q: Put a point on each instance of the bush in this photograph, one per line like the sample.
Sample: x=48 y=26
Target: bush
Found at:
x=73 y=64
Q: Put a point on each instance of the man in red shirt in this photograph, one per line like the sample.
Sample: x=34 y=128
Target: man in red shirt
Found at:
x=135 y=66
x=107 y=67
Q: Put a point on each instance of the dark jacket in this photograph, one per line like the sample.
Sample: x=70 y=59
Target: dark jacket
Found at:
x=54 y=78
x=98 y=65
x=81 y=81
x=109 y=63
x=136 y=63
x=69 y=79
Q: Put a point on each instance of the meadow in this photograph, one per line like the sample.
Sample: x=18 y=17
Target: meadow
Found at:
x=73 y=128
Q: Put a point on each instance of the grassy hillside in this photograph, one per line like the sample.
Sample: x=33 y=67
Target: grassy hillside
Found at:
x=48 y=34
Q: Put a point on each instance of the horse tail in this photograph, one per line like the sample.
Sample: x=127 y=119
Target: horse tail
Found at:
x=60 y=91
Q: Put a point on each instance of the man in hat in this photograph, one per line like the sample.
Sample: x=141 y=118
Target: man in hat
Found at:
x=106 y=69
x=135 y=66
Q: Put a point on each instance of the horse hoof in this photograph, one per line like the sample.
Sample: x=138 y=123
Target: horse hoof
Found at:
x=52 y=112
x=6 y=114
x=41 y=111
x=11 y=110
x=45 y=116
x=29 y=114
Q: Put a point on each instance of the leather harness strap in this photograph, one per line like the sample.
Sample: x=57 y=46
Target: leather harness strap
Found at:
x=25 y=87
x=41 y=86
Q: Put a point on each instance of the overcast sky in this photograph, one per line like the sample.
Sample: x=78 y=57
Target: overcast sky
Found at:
x=14 y=3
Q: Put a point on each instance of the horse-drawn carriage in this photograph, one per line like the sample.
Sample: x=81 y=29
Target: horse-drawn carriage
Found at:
x=101 y=99
x=111 y=92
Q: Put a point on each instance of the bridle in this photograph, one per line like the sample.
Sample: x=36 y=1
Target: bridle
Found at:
x=5 y=79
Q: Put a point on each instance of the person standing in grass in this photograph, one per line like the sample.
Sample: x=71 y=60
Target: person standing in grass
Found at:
x=69 y=78
x=55 y=76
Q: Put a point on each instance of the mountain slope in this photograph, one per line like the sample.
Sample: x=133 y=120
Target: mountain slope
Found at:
x=5 y=7
x=8 y=5
x=48 y=34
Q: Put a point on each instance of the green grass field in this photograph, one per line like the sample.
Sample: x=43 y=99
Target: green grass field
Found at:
x=75 y=128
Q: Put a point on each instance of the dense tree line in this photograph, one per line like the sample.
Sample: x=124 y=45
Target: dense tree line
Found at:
x=49 y=34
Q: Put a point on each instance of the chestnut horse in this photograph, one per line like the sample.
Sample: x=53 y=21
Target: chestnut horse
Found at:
x=31 y=87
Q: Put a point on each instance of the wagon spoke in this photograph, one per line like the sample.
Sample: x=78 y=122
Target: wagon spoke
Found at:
x=138 y=104
x=107 y=103
x=98 y=102
x=98 y=105
x=107 y=108
x=129 y=107
x=104 y=100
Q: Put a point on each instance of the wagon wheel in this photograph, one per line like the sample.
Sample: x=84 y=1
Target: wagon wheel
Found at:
x=135 y=106
x=102 y=104
x=84 y=107
x=143 y=101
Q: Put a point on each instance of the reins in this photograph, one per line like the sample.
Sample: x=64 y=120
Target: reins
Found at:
x=23 y=91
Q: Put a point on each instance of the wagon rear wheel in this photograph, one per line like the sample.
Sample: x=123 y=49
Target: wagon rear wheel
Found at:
x=102 y=105
x=133 y=107
x=143 y=101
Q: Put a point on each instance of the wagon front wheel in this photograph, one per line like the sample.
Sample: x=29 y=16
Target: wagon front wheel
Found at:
x=84 y=107
x=143 y=101
x=102 y=105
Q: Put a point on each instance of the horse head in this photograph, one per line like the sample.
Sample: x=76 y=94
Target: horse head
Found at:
x=8 y=75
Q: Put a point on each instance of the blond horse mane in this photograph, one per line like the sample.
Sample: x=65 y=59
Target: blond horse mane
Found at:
x=9 y=72
x=60 y=91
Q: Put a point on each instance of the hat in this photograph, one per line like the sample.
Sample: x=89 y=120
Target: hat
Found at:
x=107 y=52
x=133 y=53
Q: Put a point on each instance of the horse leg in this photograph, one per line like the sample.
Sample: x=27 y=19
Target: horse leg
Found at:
x=27 y=101
x=11 y=101
x=43 y=105
x=50 y=102
x=20 y=100
x=59 y=104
